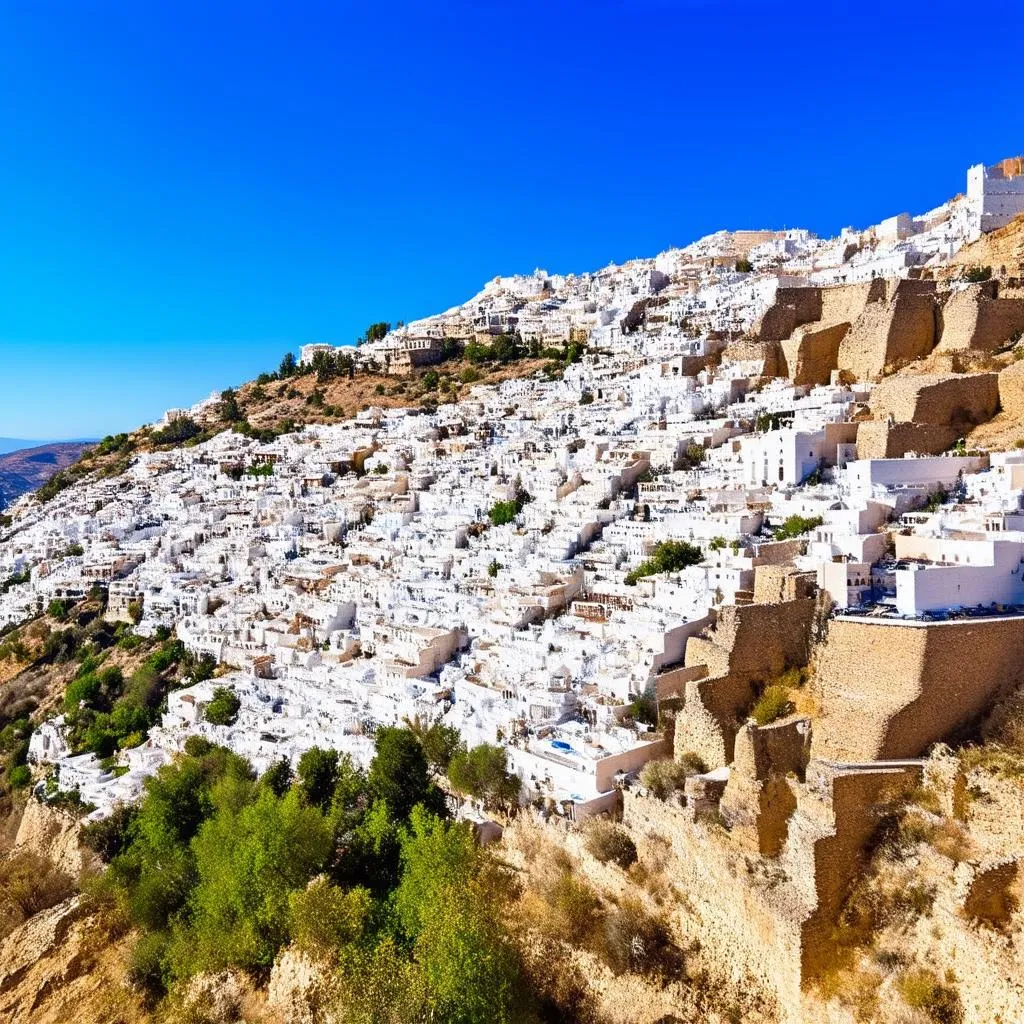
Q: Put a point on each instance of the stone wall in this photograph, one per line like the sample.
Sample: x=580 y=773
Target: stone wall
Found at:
x=747 y=646
x=760 y=797
x=891 y=331
x=889 y=690
x=1011 y=390
x=880 y=439
x=956 y=400
x=977 y=318
x=791 y=308
x=811 y=353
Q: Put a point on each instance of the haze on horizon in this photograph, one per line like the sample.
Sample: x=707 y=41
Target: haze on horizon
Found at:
x=188 y=193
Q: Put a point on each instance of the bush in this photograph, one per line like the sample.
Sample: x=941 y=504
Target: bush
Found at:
x=28 y=884
x=324 y=917
x=922 y=990
x=772 y=705
x=608 y=842
x=19 y=776
x=637 y=942
x=668 y=556
x=744 y=266
x=663 y=778
x=975 y=275
x=504 y=512
x=796 y=526
x=223 y=707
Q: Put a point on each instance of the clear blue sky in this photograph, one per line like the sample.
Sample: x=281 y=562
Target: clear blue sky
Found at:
x=189 y=189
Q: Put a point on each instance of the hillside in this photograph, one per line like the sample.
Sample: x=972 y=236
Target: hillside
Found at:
x=613 y=648
x=26 y=469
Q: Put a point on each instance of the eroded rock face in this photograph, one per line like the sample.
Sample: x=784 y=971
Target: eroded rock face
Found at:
x=299 y=988
x=54 y=834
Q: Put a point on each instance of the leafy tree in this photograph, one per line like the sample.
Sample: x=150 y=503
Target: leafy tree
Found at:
x=482 y=773
x=744 y=266
x=471 y=970
x=440 y=743
x=398 y=773
x=223 y=707
x=668 y=556
x=288 y=366
x=318 y=775
x=278 y=777
x=493 y=568
x=504 y=512
x=248 y=864
x=229 y=410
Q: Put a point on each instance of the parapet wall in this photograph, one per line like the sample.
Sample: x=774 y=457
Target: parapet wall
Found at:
x=889 y=690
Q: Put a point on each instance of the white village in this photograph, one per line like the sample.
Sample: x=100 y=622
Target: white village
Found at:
x=494 y=563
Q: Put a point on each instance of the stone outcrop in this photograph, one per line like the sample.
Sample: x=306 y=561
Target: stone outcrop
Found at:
x=53 y=833
x=889 y=689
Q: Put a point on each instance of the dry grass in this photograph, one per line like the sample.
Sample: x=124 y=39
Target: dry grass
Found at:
x=29 y=884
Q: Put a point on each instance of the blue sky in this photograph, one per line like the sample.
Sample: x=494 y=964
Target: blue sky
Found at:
x=187 y=190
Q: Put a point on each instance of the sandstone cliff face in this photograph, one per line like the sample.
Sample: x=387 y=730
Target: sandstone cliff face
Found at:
x=60 y=966
x=53 y=834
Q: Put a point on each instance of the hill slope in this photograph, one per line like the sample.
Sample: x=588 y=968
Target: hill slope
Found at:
x=28 y=468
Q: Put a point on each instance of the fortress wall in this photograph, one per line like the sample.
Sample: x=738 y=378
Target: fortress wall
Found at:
x=791 y=308
x=748 y=645
x=889 y=690
x=976 y=318
x=891 y=332
x=811 y=353
x=879 y=439
x=943 y=399
x=1011 y=390
x=845 y=302
x=759 y=797
x=838 y=810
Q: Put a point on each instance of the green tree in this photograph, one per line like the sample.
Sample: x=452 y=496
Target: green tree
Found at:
x=482 y=773
x=248 y=865
x=668 y=556
x=398 y=773
x=470 y=967
x=318 y=775
x=223 y=707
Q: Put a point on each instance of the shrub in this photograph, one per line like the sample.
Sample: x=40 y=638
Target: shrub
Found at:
x=668 y=556
x=19 y=776
x=663 y=778
x=223 y=707
x=325 y=917
x=28 y=884
x=637 y=942
x=744 y=266
x=772 y=705
x=608 y=842
x=922 y=990
x=796 y=526
x=975 y=275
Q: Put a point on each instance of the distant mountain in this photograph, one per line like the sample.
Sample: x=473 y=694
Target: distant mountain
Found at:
x=25 y=469
x=13 y=444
